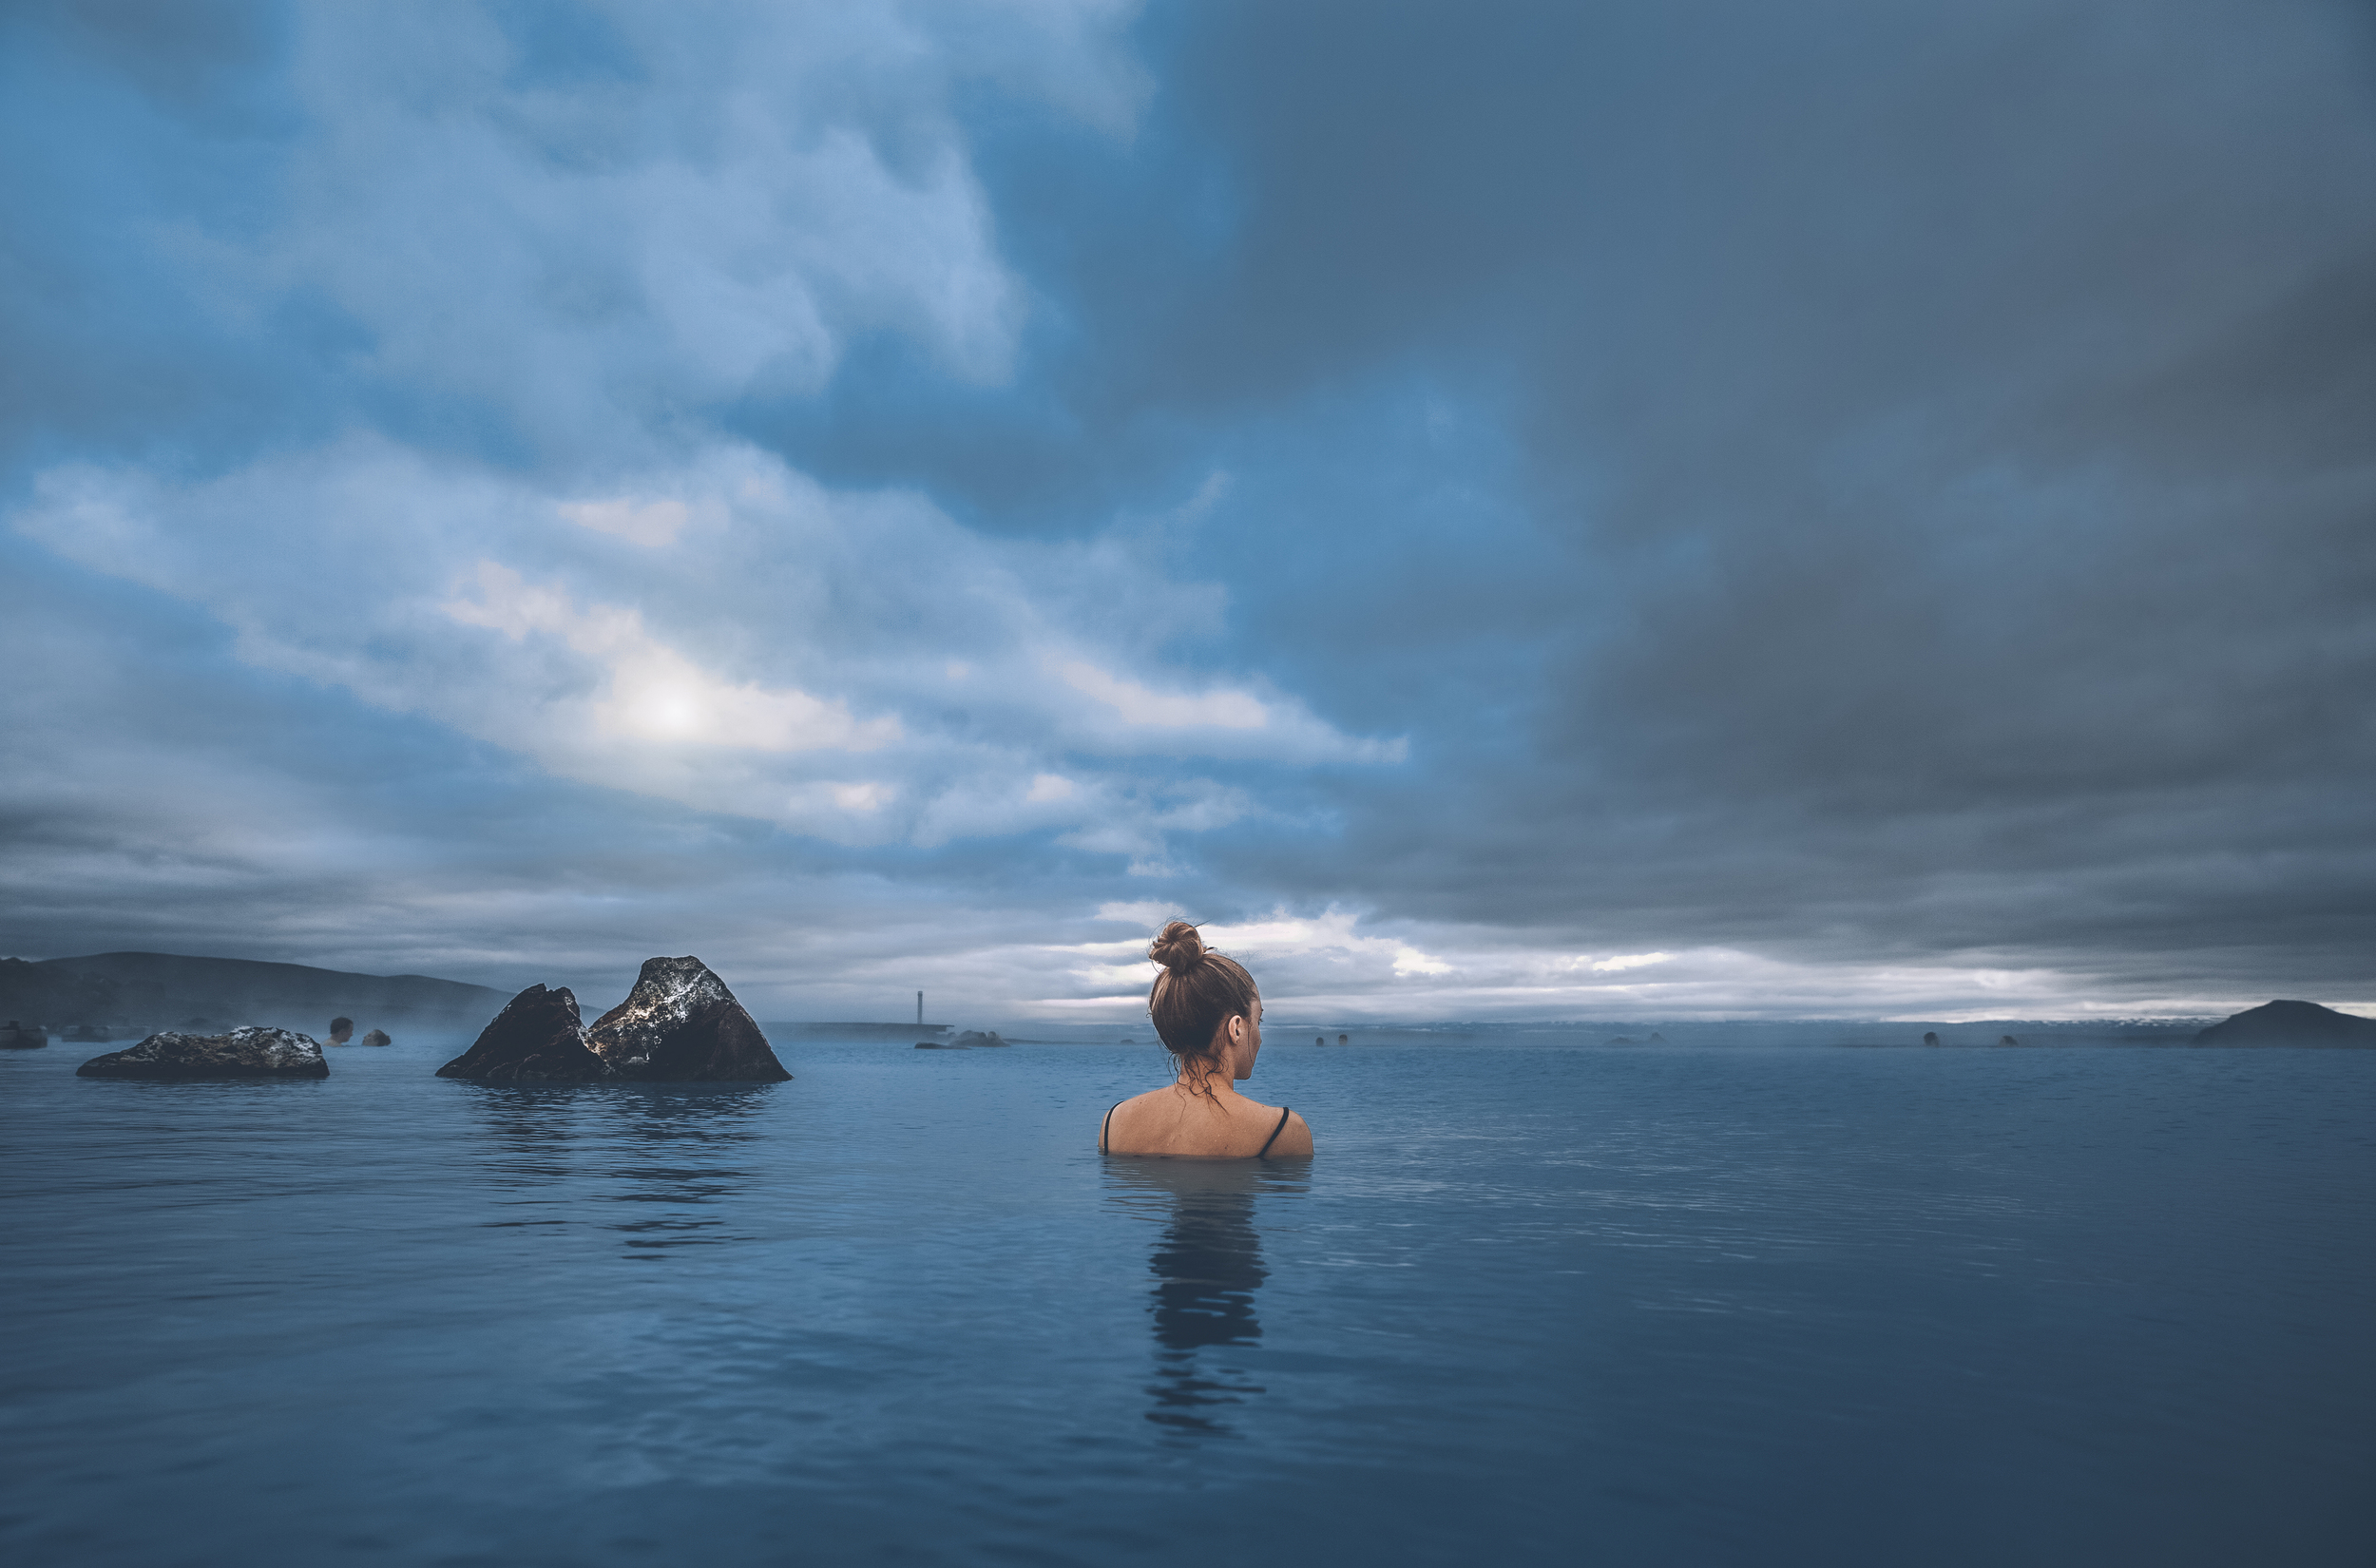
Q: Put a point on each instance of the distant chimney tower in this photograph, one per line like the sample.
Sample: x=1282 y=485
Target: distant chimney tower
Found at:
x=919 y=1010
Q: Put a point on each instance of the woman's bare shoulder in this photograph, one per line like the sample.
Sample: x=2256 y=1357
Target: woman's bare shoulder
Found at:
x=1171 y=1121
x=1293 y=1139
x=1124 y=1114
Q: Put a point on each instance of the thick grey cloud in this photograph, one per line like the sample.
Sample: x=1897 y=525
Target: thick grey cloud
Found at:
x=1955 y=432
x=1718 y=507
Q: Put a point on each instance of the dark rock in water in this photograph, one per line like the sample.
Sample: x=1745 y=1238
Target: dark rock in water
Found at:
x=1931 y=1039
x=1622 y=1039
x=536 y=1039
x=22 y=1037
x=251 y=1052
x=682 y=1026
x=2007 y=1040
x=941 y=1046
x=1656 y=1039
x=377 y=1037
x=971 y=1039
x=2291 y=1023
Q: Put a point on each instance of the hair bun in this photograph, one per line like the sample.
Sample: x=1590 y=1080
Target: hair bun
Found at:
x=1177 y=948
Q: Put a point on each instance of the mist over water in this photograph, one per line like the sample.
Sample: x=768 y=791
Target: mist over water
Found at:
x=1688 y=1303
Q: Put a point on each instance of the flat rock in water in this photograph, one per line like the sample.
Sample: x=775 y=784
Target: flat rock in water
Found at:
x=682 y=1026
x=536 y=1039
x=251 y=1052
x=975 y=1040
x=2291 y=1023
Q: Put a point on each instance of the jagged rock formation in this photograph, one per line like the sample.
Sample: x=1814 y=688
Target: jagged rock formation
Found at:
x=1656 y=1039
x=377 y=1037
x=536 y=1039
x=679 y=1025
x=2291 y=1023
x=251 y=1052
x=682 y=1026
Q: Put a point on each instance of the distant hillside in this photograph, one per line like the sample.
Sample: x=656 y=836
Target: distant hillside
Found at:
x=159 y=990
x=2291 y=1023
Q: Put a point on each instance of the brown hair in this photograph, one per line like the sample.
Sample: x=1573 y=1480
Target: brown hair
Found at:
x=1197 y=992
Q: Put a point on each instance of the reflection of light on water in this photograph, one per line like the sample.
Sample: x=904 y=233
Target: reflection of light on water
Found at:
x=1207 y=1265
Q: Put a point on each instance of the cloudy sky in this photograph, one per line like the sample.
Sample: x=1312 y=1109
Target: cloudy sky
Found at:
x=1599 y=511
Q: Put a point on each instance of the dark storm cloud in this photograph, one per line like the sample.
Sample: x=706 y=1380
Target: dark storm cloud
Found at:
x=1845 y=486
x=1953 y=430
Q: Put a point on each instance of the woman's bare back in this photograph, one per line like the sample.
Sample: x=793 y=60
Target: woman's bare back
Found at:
x=1186 y=1124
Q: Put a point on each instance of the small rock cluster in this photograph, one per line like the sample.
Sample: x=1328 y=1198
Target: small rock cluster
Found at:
x=252 y=1052
x=972 y=1040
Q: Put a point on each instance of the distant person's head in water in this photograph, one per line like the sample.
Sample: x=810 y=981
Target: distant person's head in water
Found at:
x=340 y=1029
x=1206 y=1008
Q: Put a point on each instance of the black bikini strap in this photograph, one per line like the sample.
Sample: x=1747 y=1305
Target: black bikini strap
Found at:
x=1108 y=1123
x=1283 y=1115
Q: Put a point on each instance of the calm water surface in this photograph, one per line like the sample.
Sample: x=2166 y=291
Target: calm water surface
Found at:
x=1530 y=1304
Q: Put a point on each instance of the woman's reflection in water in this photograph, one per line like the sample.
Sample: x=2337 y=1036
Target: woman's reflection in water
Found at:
x=1207 y=1266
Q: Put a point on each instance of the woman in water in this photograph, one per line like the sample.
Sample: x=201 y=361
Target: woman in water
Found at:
x=1210 y=1015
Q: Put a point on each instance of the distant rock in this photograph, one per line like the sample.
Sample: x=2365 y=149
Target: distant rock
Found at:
x=2291 y=1023
x=377 y=1037
x=251 y=1052
x=1621 y=1040
x=2007 y=1040
x=1656 y=1039
x=975 y=1040
x=1931 y=1039
x=22 y=1037
x=536 y=1039
x=941 y=1046
x=88 y=1034
x=682 y=1026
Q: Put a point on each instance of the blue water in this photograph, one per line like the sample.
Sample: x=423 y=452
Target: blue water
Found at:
x=1530 y=1304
